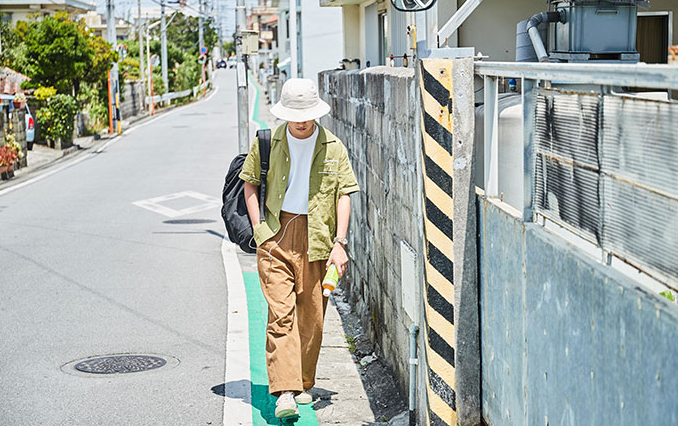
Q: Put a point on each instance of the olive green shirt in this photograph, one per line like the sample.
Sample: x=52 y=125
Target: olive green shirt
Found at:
x=331 y=176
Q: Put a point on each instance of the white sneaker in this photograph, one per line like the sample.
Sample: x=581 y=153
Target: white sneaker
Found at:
x=285 y=406
x=304 y=397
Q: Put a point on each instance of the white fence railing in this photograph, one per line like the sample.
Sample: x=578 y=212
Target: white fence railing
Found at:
x=177 y=95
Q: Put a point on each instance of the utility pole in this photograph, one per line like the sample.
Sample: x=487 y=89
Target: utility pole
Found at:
x=294 y=67
x=201 y=41
x=241 y=75
x=142 y=70
x=163 y=45
x=114 y=92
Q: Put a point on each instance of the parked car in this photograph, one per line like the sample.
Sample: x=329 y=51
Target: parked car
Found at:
x=30 y=128
x=221 y=63
x=231 y=62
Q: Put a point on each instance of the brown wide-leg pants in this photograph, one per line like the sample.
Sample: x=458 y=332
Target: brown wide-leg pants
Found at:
x=296 y=307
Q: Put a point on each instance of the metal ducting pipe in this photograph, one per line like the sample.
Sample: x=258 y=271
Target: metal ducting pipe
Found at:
x=533 y=32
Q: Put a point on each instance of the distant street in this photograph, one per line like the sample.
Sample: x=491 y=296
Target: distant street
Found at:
x=120 y=254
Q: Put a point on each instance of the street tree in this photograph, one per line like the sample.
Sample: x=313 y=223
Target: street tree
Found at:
x=63 y=53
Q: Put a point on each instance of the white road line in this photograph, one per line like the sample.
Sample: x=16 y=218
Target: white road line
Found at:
x=237 y=383
x=43 y=176
x=100 y=149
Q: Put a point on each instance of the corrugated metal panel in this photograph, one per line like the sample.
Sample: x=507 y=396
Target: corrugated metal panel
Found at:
x=566 y=172
x=640 y=163
x=607 y=166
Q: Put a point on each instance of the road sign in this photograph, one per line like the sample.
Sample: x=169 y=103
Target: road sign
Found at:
x=203 y=50
x=201 y=59
x=155 y=60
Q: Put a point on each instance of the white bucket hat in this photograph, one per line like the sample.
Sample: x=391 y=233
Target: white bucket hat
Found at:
x=299 y=101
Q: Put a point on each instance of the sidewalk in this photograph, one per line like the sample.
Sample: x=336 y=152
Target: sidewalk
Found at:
x=352 y=387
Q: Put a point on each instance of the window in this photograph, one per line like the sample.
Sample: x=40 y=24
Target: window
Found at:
x=383 y=37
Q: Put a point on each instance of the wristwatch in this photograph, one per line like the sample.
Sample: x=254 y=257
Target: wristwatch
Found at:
x=341 y=240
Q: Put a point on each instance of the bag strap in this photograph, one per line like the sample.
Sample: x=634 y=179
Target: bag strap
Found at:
x=264 y=137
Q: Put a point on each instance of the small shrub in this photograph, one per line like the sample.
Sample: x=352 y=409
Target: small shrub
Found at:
x=57 y=120
x=44 y=93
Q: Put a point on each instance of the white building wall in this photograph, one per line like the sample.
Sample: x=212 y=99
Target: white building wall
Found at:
x=322 y=41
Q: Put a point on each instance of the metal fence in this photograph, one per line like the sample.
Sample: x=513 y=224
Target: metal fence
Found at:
x=177 y=95
x=602 y=164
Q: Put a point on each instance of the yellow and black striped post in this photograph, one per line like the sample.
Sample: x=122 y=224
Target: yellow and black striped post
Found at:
x=450 y=287
x=435 y=80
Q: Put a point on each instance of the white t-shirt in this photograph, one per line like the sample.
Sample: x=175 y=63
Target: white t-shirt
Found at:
x=301 y=157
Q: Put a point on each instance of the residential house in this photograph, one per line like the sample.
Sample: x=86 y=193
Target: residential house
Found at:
x=97 y=23
x=319 y=39
x=26 y=10
x=374 y=30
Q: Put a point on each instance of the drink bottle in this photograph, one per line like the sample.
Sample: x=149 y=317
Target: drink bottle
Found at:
x=330 y=281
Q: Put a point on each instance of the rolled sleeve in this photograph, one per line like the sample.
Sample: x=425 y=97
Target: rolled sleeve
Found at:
x=251 y=168
x=347 y=181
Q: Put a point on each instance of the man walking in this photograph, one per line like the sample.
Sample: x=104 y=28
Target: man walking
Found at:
x=303 y=232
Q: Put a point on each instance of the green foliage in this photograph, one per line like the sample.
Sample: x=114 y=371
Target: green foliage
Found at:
x=668 y=295
x=12 y=54
x=183 y=33
x=63 y=53
x=129 y=68
x=44 y=93
x=57 y=119
x=94 y=101
x=188 y=75
x=351 y=343
x=229 y=48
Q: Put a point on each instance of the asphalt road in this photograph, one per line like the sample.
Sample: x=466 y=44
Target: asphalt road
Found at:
x=84 y=272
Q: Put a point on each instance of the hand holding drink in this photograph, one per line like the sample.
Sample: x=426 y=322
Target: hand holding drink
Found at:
x=330 y=281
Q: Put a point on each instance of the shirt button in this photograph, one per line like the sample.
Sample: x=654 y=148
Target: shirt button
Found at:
x=284 y=177
x=287 y=159
x=279 y=196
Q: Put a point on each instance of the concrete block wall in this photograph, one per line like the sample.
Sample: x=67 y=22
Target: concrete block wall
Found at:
x=19 y=130
x=566 y=340
x=375 y=112
x=133 y=99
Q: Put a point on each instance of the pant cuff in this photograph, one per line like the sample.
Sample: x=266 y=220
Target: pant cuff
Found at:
x=274 y=388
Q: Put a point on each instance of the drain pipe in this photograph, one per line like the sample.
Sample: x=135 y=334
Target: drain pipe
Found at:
x=414 y=361
x=533 y=31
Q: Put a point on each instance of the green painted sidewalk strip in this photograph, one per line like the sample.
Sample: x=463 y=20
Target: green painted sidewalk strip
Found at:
x=255 y=112
x=263 y=404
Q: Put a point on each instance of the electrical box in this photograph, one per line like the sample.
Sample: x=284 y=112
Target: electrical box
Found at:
x=596 y=28
x=250 y=42
x=409 y=275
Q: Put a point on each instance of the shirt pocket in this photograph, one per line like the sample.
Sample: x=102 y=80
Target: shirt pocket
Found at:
x=328 y=176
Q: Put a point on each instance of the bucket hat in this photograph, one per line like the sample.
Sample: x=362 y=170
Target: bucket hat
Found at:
x=299 y=101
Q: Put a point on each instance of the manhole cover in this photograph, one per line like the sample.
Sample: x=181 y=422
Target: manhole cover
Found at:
x=117 y=364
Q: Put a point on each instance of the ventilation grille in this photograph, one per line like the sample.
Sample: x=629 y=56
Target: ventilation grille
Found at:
x=607 y=167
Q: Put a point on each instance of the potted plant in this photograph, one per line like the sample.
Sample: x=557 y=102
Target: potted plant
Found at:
x=19 y=100
x=10 y=141
x=7 y=158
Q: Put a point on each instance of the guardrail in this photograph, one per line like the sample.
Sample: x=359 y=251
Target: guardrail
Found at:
x=601 y=163
x=177 y=95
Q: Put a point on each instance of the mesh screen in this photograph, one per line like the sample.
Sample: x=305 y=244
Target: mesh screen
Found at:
x=607 y=166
